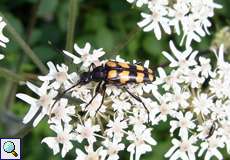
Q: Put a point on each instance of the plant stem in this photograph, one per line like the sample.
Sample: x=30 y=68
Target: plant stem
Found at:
x=73 y=12
x=27 y=50
x=10 y=75
x=10 y=93
x=23 y=131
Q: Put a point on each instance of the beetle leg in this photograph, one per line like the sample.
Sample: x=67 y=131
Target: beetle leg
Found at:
x=92 y=65
x=59 y=96
x=103 y=88
x=96 y=93
x=139 y=100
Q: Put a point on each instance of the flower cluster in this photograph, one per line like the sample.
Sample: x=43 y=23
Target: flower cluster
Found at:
x=194 y=97
x=191 y=17
x=119 y=118
x=199 y=99
x=3 y=39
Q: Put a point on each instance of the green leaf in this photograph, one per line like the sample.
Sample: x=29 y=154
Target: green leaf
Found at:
x=14 y=21
x=105 y=39
x=95 y=20
x=28 y=67
x=154 y=48
x=45 y=53
x=20 y=109
x=62 y=15
x=31 y=1
x=47 y=7
x=158 y=151
x=151 y=45
x=134 y=45
x=36 y=36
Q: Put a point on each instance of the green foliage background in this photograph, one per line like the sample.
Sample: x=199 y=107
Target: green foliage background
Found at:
x=108 y=24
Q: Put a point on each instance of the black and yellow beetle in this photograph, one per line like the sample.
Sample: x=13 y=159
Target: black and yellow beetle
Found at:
x=114 y=73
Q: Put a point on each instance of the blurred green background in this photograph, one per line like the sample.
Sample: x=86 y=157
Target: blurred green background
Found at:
x=108 y=24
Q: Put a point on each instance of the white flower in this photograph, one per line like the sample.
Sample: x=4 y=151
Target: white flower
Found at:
x=197 y=113
x=190 y=17
x=141 y=141
x=158 y=3
x=193 y=78
x=202 y=104
x=82 y=92
x=120 y=105
x=168 y=81
x=154 y=20
x=192 y=30
x=139 y=116
x=205 y=67
x=211 y=146
x=64 y=137
x=184 y=59
x=163 y=110
x=87 y=131
x=93 y=107
x=91 y=154
x=204 y=6
x=223 y=66
x=113 y=90
x=203 y=10
x=44 y=102
x=119 y=59
x=136 y=89
x=178 y=12
x=116 y=127
x=139 y=3
x=62 y=112
x=183 y=149
x=59 y=75
x=220 y=110
x=3 y=39
x=83 y=52
x=225 y=131
x=1 y=56
x=113 y=148
x=217 y=87
x=180 y=98
x=184 y=123
x=85 y=56
x=204 y=129
x=150 y=88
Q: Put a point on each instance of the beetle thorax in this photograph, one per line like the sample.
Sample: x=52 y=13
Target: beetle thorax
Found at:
x=98 y=73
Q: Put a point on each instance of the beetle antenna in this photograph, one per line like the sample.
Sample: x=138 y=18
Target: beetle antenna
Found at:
x=54 y=47
x=63 y=93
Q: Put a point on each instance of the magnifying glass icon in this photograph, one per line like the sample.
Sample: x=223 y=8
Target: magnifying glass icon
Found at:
x=9 y=147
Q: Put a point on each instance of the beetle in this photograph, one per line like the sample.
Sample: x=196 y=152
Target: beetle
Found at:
x=114 y=73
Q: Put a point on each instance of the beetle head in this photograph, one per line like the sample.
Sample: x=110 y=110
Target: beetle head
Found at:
x=85 y=78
